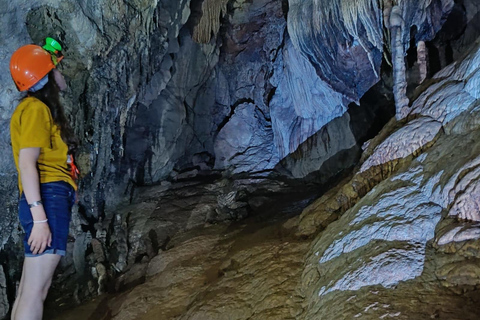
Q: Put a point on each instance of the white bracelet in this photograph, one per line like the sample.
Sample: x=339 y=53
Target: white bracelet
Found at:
x=40 y=221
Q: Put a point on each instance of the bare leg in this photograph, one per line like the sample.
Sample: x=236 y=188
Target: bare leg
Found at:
x=36 y=279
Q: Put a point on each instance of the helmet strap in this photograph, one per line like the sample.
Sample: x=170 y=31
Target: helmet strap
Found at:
x=39 y=85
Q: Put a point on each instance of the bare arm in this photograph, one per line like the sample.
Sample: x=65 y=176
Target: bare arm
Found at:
x=41 y=235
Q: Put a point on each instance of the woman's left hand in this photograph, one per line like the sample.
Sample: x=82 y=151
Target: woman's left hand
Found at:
x=40 y=238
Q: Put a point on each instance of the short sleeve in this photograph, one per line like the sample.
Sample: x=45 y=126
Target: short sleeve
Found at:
x=35 y=127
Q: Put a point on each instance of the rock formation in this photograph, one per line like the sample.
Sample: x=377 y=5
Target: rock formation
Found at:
x=194 y=115
x=395 y=237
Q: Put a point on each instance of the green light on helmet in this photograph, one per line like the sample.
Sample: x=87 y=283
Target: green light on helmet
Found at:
x=52 y=46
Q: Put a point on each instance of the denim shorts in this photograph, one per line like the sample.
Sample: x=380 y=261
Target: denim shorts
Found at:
x=58 y=199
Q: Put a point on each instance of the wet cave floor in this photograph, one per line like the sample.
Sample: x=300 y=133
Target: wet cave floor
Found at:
x=253 y=270
x=237 y=270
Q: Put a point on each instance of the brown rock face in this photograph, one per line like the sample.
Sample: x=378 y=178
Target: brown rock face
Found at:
x=232 y=109
x=218 y=272
x=393 y=240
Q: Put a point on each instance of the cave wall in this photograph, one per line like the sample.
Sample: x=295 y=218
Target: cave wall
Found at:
x=161 y=88
x=252 y=38
x=399 y=238
x=113 y=51
x=411 y=224
x=150 y=102
x=345 y=40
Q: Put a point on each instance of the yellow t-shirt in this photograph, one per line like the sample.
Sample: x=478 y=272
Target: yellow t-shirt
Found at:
x=32 y=126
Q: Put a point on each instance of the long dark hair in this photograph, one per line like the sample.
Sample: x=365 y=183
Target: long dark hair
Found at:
x=49 y=95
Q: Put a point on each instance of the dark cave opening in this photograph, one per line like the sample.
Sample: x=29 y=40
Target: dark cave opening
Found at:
x=376 y=108
x=455 y=37
x=434 y=64
x=412 y=49
x=448 y=53
x=452 y=41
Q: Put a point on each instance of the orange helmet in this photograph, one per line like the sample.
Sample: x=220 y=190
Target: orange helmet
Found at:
x=29 y=64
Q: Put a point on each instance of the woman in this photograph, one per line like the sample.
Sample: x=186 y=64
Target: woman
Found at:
x=41 y=140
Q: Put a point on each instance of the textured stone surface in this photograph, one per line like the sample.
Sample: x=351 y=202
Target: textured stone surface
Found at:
x=303 y=103
x=454 y=92
x=403 y=221
x=222 y=271
x=333 y=139
x=383 y=244
x=250 y=55
x=400 y=236
x=464 y=14
x=104 y=66
x=245 y=138
x=173 y=90
x=318 y=26
x=4 y=305
x=141 y=235
x=407 y=141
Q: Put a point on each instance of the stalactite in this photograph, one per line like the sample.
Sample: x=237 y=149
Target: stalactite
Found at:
x=358 y=31
x=398 y=58
x=349 y=17
x=387 y=9
x=210 y=22
x=325 y=30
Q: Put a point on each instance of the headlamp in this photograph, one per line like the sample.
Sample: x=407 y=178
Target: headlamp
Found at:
x=54 y=48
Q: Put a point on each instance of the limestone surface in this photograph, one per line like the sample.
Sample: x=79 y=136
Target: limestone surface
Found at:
x=219 y=106
x=391 y=241
x=402 y=236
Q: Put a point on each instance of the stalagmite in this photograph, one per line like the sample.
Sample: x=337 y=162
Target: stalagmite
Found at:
x=398 y=59
x=422 y=60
